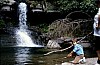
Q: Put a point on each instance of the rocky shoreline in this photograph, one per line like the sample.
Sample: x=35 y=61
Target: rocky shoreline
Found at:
x=89 y=61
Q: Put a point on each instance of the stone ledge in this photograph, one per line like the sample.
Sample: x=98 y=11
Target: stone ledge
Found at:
x=89 y=61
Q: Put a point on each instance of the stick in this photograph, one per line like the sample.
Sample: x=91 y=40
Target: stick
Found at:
x=58 y=50
x=67 y=47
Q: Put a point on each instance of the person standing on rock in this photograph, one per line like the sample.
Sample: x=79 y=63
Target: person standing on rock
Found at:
x=96 y=32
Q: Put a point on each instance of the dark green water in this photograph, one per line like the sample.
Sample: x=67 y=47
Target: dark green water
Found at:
x=33 y=56
x=28 y=56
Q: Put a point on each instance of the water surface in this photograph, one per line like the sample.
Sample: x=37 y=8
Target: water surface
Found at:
x=33 y=56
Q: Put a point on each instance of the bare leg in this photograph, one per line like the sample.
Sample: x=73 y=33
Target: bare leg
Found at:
x=77 y=58
x=98 y=53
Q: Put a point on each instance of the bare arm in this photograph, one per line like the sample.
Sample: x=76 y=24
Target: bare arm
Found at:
x=98 y=23
x=70 y=54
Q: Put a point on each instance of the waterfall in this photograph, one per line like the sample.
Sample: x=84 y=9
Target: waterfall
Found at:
x=23 y=35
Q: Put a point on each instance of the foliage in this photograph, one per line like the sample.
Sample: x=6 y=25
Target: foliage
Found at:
x=33 y=3
x=72 y=5
x=44 y=27
x=2 y=23
x=67 y=6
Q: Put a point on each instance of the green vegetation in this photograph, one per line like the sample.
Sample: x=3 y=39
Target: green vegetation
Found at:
x=72 y=5
x=67 y=5
x=2 y=23
x=43 y=27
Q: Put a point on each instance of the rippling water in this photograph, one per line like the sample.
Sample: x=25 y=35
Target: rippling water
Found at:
x=32 y=56
x=27 y=56
x=19 y=55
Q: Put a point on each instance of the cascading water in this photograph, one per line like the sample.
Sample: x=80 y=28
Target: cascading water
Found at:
x=23 y=34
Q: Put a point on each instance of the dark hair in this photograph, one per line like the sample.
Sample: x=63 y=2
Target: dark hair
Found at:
x=97 y=1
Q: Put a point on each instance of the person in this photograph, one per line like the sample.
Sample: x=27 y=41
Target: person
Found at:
x=78 y=50
x=96 y=32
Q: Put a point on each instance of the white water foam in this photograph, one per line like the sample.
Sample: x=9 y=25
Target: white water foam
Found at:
x=23 y=34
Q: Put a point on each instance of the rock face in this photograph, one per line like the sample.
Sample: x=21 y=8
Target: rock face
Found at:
x=85 y=44
x=53 y=44
x=66 y=42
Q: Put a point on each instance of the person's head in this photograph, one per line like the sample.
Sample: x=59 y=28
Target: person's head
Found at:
x=98 y=3
x=74 y=40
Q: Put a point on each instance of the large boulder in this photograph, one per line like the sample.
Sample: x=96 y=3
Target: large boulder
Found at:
x=53 y=44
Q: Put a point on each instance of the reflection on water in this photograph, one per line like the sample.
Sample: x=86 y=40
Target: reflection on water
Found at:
x=28 y=56
x=22 y=55
x=33 y=56
x=14 y=56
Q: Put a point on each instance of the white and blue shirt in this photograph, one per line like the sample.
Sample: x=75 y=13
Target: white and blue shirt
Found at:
x=96 y=31
x=78 y=49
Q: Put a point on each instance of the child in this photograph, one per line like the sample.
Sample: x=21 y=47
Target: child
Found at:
x=78 y=49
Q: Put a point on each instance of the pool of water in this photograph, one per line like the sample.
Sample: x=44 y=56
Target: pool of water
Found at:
x=27 y=56
x=10 y=54
x=33 y=56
